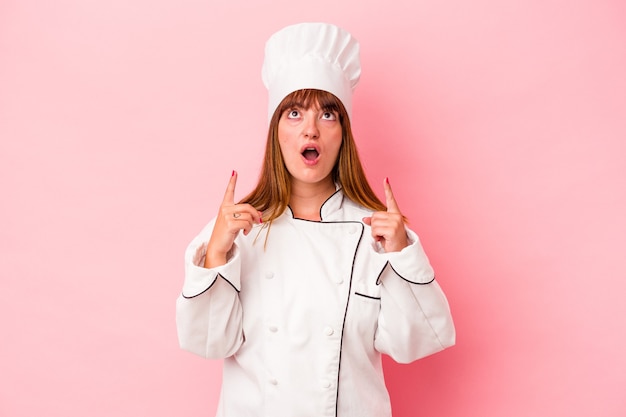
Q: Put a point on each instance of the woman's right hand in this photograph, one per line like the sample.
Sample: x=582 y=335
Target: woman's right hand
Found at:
x=231 y=219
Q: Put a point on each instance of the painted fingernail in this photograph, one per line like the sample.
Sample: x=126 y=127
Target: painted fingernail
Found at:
x=387 y=180
x=260 y=217
x=233 y=173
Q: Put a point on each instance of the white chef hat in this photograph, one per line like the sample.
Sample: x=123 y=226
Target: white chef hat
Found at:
x=311 y=55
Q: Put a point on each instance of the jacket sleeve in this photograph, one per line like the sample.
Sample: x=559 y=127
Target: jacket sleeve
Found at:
x=208 y=310
x=414 y=319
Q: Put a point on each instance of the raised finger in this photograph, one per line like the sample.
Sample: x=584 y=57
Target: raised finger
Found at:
x=229 y=195
x=392 y=205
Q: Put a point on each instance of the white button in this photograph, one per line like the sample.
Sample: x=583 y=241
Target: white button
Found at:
x=326 y=384
x=273 y=381
x=352 y=230
x=339 y=280
x=269 y=275
x=328 y=331
x=273 y=329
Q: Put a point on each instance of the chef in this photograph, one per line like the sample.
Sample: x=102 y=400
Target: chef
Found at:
x=303 y=284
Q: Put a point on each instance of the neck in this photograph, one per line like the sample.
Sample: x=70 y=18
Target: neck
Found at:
x=307 y=199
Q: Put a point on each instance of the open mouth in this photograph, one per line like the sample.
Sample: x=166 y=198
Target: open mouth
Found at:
x=310 y=154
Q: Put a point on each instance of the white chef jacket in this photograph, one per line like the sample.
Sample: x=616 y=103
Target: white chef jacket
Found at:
x=302 y=315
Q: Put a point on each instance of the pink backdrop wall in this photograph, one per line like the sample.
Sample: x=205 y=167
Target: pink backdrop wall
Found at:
x=501 y=124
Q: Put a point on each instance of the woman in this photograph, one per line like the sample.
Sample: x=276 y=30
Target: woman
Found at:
x=303 y=284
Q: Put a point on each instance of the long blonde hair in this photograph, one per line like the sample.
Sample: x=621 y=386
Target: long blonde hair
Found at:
x=273 y=190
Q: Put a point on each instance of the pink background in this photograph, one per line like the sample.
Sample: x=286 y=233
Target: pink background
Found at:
x=502 y=127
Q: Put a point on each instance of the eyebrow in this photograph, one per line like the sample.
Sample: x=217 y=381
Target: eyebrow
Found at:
x=300 y=105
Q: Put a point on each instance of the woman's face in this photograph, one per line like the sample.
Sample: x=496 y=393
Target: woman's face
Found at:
x=309 y=140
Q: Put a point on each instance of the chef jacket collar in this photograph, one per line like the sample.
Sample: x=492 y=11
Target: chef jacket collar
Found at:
x=330 y=207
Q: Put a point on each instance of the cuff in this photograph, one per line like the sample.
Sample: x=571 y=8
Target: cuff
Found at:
x=199 y=279
x=411 y=263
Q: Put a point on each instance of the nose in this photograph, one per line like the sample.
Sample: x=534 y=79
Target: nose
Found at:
x=311 y=130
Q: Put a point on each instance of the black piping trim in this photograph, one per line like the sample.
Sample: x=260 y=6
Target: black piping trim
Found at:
x=396 y=272
x=367 y=296
x=345 y=314
x=322 y=206
x=331 y=196
x=209 y=287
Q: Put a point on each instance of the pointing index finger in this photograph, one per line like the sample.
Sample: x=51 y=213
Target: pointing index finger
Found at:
x=229 y=195
x=392 y=205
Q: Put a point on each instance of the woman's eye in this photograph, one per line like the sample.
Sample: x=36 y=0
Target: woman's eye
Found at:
x=293 y=114
x=328 y=116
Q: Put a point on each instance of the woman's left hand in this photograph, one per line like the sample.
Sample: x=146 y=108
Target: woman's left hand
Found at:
x=388 y=226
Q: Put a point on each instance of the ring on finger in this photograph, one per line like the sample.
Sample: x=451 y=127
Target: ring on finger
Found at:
x=236 y=215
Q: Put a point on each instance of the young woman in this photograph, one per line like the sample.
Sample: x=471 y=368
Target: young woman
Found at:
x=302 y=285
